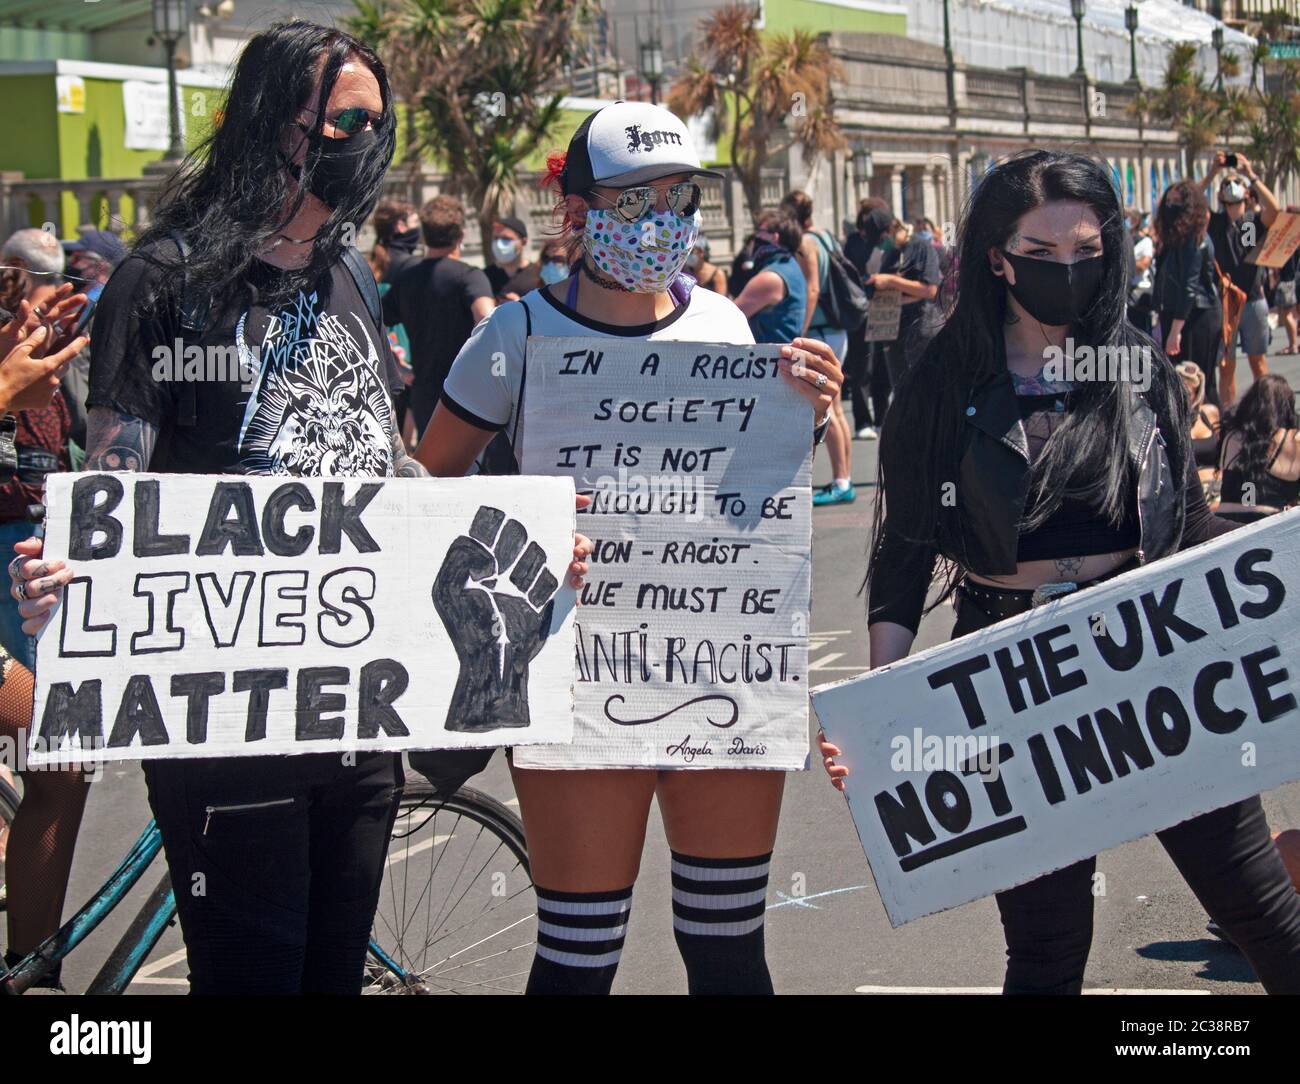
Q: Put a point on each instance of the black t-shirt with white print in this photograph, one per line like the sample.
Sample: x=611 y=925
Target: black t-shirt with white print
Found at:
x=304 y=390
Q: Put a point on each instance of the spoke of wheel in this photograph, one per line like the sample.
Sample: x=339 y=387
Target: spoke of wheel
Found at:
x=433 y=872
x=496 y=907
x=482 y=941
x=469 y=851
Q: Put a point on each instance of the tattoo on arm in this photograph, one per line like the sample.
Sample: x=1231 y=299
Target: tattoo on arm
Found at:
x=404 y=466
x=118 y=442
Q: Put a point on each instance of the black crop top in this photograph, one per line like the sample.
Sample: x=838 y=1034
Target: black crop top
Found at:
x=1075 y=529
x=905 y=570
x=1206 y=449
x=1270 y=490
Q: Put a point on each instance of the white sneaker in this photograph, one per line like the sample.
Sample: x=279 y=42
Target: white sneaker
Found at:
x=867 y=432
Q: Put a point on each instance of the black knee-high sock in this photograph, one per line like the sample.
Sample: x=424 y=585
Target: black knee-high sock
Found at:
x=579 y=940
x=718 y=910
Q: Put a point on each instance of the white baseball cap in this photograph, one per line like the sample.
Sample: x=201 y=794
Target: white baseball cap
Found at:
x=628 y=143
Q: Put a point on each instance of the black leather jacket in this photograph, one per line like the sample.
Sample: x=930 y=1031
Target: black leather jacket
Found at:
x=1185 y=279
x=993 y=481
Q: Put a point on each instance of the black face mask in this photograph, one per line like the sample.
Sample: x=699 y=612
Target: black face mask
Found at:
x=1056 y=294
x=336 y=163
x=405 y=240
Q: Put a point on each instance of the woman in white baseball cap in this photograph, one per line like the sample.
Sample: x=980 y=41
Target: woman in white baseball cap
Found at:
x=629 y=201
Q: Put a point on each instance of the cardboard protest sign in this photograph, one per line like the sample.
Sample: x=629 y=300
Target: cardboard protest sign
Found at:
x=1282 y=239
x=241 y=616
x=692 y=636
x=1095 y=719
x=883 y=316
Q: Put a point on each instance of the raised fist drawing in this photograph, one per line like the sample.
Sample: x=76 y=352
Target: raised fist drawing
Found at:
x=498 y=618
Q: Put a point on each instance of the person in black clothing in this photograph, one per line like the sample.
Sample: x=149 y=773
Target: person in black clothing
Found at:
x=865 y=371
x=510 y=273
x=1041 y=261
x=397 y=236
x=1261 y=452
x=912 y=268
x=1236 y=232
x=438 y=301
x=1186 y=288
x=256 y=224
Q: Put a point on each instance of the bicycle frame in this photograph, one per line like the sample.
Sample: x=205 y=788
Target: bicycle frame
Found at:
x=138 y=941
x=41 y=961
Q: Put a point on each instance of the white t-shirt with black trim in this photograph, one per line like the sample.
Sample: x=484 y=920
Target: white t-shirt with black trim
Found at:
x=485 y=379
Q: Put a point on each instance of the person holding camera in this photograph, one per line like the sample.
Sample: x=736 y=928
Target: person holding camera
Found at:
x=1236 y=232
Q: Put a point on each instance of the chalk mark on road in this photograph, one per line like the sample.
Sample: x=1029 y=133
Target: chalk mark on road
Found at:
x=802 y=901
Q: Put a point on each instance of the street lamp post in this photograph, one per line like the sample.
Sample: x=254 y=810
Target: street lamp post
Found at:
x=170 y=25
x=1216 y=39
x=863 y=165
x=652 y=66
x=948 y=65
x=1131 y=25
x=1077 y=9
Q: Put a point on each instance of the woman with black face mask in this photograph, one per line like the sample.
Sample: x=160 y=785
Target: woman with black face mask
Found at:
x=250 y=253
x=1042 y=274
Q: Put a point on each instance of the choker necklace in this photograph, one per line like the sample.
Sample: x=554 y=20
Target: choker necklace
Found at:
x=601 y=280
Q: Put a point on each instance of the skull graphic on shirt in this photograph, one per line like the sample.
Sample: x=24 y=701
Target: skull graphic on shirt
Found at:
x=318 y=406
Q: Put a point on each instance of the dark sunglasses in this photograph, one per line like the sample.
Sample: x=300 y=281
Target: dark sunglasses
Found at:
x=351 y=121
x=634 y=204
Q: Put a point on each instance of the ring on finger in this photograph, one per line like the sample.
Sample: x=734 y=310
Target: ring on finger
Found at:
x=821 y=380
x=13 y=567
x=18 y=591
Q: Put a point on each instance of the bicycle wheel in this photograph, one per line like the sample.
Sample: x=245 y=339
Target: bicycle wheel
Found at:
x=456 y=910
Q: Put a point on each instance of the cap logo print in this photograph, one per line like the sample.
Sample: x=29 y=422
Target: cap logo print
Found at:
x=639 y=140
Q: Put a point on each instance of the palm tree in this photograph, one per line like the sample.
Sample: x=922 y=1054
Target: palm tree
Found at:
x=477 y=77
x=1187 y=102
x=769 y=91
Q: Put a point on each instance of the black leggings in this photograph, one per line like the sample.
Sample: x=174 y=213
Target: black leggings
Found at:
x=867 y=376
x=1228 y=859
x=276 y=863
x=1202 y=343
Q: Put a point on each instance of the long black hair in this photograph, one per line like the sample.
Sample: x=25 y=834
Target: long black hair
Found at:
x=1269 y=405
x=228 y=197
x=1086 y=458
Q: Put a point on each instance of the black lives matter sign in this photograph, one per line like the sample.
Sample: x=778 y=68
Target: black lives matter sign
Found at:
x=220 y=616
x=1096 y=719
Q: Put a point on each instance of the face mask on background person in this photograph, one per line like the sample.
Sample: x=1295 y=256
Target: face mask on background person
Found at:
x=693 y=261
x=553 y=271
x=504 y=250
x=1055 y=294
x=646 y=255
x=405 y=240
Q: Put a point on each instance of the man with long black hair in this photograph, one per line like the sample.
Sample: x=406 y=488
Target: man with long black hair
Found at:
x=276 y=861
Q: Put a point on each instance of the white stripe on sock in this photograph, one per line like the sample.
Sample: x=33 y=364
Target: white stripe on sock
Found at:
x=599 y=907
x=719 y=903
x=717 y=929
x=577 y=933
x=720 y=873
x=578 y=959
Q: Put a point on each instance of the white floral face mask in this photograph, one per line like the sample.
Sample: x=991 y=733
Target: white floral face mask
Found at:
x=645 y=256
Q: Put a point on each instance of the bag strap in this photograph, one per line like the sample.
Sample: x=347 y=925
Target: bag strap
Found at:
x=523 y=377
x=366 y=285
x=193 y=320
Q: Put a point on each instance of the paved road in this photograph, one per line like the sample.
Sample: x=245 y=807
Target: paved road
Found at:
x=827 y=930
